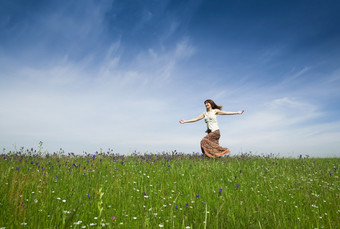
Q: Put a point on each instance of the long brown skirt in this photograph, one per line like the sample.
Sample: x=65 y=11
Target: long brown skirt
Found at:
x=210 y=145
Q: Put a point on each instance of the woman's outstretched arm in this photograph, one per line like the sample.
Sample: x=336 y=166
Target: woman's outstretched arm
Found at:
x=192 y=120
x=229 y=112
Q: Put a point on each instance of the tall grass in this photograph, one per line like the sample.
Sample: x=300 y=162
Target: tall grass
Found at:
x=168 y=190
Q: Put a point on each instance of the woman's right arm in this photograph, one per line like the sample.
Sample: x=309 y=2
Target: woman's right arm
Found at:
x=192 y=120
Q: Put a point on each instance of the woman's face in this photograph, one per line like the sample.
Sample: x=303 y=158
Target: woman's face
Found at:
x=208 y=106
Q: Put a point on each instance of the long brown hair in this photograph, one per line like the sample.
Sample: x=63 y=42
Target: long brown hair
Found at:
x=213 y=104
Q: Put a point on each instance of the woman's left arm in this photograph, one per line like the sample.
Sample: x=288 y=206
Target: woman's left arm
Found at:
x=228 y=112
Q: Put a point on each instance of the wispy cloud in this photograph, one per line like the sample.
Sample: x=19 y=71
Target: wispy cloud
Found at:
x=124 y=106
x=112 y=75
x=286 y=126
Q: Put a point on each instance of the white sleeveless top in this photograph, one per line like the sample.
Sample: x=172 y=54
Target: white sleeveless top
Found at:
x=211 y=120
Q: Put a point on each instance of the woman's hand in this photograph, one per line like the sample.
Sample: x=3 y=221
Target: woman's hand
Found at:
x=181 y=122
x=241 y=112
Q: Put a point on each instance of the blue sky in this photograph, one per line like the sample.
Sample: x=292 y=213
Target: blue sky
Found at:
x=90 y=75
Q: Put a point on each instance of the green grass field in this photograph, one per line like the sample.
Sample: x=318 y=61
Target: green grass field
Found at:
x=168 y=190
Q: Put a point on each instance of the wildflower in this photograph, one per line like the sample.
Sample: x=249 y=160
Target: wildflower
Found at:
x=160 y=225
x=237 y=185
x=88 y=195
x=64 y=201
x=187 y=205
x=220 y=191
x=113 y=217
x=329 y=173
x=176 y=206
x=17 y=168
x=197 y=196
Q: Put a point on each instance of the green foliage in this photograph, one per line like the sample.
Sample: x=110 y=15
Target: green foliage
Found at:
x=169 y=190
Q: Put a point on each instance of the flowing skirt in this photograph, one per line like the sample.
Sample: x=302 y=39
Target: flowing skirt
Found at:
x=210 y=145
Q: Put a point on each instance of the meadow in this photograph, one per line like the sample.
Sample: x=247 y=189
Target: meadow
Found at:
x=167 y=190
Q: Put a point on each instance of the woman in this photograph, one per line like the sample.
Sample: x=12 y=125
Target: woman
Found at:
x=210 y=143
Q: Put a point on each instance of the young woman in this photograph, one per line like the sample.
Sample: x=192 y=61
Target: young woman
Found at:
x=210 y=143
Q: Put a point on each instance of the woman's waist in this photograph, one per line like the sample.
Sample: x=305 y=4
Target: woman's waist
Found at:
x=211 y=130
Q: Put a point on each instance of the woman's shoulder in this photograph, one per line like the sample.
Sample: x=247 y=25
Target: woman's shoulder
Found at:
x=216 y=111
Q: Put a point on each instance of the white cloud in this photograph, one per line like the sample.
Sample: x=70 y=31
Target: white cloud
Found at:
x=184 y=49
x=84 y=110
x=94 y=98
x=126 y=110
x=284 y=126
